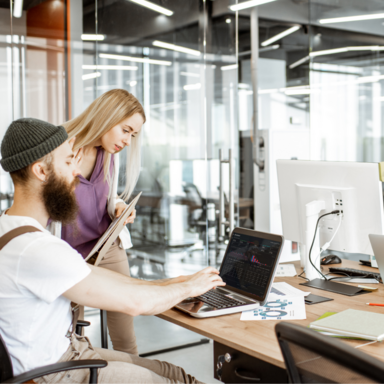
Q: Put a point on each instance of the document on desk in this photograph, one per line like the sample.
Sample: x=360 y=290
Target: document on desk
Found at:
x=285 y=270
x=284 y=308
x=284 y=289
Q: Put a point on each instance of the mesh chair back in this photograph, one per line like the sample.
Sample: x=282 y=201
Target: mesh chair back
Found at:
x=314 y=358
x=6 y=370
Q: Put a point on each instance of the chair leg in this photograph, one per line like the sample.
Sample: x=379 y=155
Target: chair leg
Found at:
x=103 y=326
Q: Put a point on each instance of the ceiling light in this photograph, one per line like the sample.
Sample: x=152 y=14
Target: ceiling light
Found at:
x=280 y=35
x=229 y=67
x=228 y=21
x=243 y=86
x=18 y=8
x=352 y=18
x=299 y=62
x=370 y=79
x=189 y=74
x=291 y=91
x=346 y=49
x=91 y=75
x=154 y=7
x=248 y=4
x=112 y=67
x=191 y=87
x=134 y=59
x=271 y=48
x=177 y=48
x=88 y=37
x=133 y=83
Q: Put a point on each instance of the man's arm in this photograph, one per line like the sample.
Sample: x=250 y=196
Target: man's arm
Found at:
x=115 y=292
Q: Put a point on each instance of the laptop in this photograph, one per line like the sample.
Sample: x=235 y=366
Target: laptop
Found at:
x=248 y=269
x=377 y=243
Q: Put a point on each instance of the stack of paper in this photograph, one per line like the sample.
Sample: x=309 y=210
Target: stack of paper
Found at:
x=284 y=308
x=352 y=323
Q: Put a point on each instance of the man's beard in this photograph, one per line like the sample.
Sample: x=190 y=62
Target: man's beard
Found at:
x=60 y=199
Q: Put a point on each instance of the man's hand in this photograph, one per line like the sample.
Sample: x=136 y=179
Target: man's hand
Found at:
x=203 y=281
x=120 y=207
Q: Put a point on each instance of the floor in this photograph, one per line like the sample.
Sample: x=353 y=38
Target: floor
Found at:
x=154 y=334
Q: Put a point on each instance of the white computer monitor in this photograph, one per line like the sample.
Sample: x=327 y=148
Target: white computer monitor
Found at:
x=309 y=189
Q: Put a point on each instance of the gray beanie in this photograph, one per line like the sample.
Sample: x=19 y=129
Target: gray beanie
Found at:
x=28 y=140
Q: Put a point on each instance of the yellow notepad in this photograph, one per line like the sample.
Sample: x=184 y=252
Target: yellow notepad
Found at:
x=354 y=323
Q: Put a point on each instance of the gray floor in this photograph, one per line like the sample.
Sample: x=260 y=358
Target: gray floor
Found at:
x=154 y=334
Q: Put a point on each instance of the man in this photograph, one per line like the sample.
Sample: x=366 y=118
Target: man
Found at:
x=40 y=274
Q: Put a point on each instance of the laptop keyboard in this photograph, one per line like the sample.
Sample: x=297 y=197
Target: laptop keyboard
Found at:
x=218 y=300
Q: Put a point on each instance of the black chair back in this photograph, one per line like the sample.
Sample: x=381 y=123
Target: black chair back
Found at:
x=311 y=357
x=6 y=370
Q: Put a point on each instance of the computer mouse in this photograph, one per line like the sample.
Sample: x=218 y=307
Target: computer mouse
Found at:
x=330 y=259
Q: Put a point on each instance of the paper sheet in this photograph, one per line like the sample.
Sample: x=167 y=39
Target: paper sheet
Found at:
x=284 y=289
x=284 y=308
x=285 y=270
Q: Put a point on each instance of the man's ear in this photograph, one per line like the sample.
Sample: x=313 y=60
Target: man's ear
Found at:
x=39 y=170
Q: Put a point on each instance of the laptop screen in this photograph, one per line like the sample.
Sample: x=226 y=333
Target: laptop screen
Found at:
x=249 y=263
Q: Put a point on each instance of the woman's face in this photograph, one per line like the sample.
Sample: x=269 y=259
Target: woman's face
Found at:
x=120 y=135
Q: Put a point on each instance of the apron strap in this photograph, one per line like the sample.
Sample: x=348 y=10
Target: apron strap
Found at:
x=4 y=240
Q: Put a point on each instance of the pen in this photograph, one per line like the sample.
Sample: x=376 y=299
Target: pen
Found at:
x=376 y=305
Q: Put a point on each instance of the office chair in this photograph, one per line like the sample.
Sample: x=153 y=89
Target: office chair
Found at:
x=311 y=357
x=6 y=369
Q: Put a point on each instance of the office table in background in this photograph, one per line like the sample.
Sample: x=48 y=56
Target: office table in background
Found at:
x=253 y=345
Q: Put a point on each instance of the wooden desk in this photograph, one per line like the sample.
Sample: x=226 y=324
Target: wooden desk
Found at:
x=257 y=338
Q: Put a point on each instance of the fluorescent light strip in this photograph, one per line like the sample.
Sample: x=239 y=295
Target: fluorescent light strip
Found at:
x=88 y=37
x=229 y=67
x=189 y=74
x=18 y=8
x=154 y=7
x=299 y=62
x=177 y=48
x=346 y=49
x=191 y=87
x=248 y=4
x=280 y=35
x=266 y=49
x=91 y=75
x=134 y=59
x=370 y=79
x=112 y=67
x=352 y=18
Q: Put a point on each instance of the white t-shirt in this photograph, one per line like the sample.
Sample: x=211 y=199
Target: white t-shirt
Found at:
x=35 y=270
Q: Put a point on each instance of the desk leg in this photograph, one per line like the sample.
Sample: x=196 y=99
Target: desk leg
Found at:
x=243 y=368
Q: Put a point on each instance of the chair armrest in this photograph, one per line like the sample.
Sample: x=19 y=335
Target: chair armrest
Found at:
x=58 y=367
x=79 y=326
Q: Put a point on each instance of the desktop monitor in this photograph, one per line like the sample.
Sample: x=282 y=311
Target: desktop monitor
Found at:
x=309 y=189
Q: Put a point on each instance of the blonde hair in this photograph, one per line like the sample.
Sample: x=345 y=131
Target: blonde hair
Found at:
x=107 y=111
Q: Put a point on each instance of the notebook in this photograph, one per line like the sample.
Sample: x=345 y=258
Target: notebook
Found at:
x=248 y=269
x=102 y=246
x=354 y=323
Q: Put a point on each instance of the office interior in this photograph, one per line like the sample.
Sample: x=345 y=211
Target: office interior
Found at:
x=200 y=73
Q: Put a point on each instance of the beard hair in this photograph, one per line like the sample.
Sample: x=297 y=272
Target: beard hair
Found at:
x=60 y=199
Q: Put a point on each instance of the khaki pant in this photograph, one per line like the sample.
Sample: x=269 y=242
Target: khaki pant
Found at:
x=120 y=325
x=122 y=367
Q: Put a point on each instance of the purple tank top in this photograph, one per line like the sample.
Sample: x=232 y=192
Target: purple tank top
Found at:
x=93 y=218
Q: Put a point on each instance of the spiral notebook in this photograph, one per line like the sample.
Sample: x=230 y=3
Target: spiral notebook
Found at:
x=110 y=235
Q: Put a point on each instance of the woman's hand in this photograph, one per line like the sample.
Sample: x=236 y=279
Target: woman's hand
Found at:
x=79 y=153
x=120 y=209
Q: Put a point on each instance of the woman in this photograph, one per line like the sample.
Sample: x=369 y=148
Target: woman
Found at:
x=110 y=123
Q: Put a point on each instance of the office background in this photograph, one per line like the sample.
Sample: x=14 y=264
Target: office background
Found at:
x=319 y=97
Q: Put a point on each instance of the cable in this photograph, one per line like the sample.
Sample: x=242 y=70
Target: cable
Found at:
x=314 y=238
x=327 y=244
